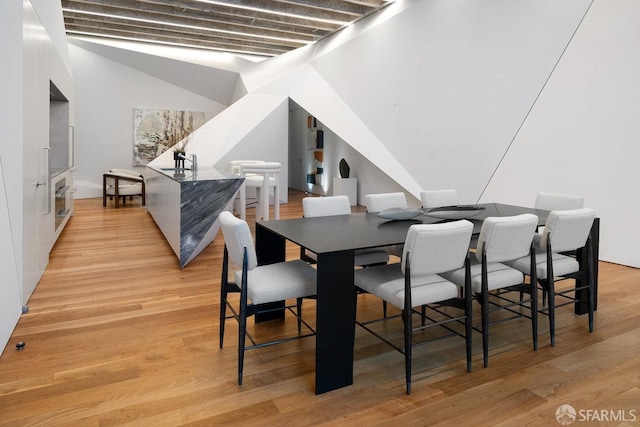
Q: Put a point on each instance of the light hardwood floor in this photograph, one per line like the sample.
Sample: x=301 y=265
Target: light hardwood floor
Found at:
x=116 y=334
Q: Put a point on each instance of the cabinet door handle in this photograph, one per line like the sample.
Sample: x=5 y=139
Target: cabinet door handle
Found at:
x=47 y=178
x=72 y=146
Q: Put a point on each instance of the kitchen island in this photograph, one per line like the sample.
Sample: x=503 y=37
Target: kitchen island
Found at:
x=185 y=205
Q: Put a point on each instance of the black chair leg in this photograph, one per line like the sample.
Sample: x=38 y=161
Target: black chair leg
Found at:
x=223 y=317
x=241 y=343
x=590 y=296
x=590 y=290
x=485 y=328
x=384 y=309
x=242 y=327
x=299 y=311
x=224 y=280
x=424 y=315
x=552 y=313
x=406 y=314
x=534 y=314
x=468 y=330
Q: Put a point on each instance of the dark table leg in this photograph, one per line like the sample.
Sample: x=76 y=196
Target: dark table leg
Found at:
x=335 y=327
x=582 y=303
x=270 y=248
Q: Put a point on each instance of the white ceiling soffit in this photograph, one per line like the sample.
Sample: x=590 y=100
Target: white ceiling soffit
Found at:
x=213 y=83
x=253 y=27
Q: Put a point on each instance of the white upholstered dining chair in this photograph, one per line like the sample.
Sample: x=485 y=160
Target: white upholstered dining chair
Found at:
x=378 y=202
x=564 y=231
x=555 y=202
x=438 y=198
x=258 y=285
x=429 y=249
x=558 y=202
x=501 y=239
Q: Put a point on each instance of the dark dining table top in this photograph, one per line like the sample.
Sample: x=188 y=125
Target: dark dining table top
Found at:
x=368 y=230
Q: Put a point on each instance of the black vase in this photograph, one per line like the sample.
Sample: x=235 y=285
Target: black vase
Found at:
x=344 y=169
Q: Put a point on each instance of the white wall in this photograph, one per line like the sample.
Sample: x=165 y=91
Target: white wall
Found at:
x=444 y=85
x=582 y=135
x=107 y=92
x=435 y=94
x=370 y=178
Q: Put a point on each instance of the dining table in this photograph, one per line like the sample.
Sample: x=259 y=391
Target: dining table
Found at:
x=334 y=239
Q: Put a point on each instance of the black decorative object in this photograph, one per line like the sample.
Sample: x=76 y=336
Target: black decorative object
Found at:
x=320 y=139
x=178 y=159
x=344 y=169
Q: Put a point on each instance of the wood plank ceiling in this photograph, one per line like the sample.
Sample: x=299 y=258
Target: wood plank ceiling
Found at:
x=256 y=27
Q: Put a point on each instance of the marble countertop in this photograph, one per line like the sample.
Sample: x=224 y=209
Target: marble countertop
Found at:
x=204 y=173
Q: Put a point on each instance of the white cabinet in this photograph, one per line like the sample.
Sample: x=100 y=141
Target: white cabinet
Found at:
x=46 y=117
x=346 y=187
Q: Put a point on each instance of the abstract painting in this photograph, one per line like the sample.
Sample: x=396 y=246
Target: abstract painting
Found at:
x=155 y=131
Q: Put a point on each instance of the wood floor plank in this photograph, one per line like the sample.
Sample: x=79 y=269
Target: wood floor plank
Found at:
x=118 y=335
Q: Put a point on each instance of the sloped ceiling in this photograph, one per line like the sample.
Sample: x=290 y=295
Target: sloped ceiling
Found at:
x=213 y=83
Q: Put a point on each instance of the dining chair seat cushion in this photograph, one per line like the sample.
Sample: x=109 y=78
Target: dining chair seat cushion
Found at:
x=125 y=189
x=500 y=276
x=387 y=283
x=280 y=281
x=562 y=264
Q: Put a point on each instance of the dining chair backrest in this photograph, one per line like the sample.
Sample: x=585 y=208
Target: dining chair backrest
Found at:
x=325 y=206
x=237 y=236
x=569 y=229
x=437 y=248
x=506 y=238
x=557 y=202
x=438 y=198
x=381 y=201
x=127 y=173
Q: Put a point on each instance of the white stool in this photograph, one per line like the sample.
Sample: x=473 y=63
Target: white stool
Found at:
x=262 y=176
x=242 y=196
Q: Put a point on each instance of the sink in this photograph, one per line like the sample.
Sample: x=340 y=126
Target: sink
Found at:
x=175 y=169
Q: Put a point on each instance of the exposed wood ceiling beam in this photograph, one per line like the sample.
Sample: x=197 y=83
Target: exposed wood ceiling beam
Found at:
x=259 y=27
